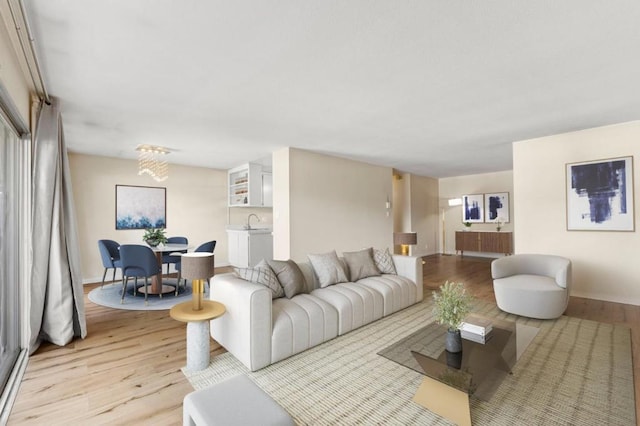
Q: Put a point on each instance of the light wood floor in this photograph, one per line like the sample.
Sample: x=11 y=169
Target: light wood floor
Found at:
x=127 y=370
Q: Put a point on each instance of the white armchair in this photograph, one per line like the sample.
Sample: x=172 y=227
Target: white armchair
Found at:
x=532 y=285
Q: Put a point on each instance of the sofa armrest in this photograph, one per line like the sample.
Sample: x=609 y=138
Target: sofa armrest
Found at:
x=245 y=328
x=410 y=267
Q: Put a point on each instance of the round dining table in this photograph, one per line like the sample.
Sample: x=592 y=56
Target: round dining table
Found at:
x=156 y=281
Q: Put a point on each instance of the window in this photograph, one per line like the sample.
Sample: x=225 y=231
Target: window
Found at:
x=9 y=250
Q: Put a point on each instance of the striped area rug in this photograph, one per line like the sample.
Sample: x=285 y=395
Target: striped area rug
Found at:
x=575 y=372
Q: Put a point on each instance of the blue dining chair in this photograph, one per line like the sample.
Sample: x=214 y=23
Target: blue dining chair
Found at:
x=170 y=258
x=110 y=257
x=207 y=247
x=139 y=262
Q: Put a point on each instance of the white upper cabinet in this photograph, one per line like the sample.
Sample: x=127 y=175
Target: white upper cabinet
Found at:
x=250 y=186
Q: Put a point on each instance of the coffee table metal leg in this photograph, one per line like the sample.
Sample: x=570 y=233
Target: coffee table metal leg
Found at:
x=444 y=400
x=198 y=345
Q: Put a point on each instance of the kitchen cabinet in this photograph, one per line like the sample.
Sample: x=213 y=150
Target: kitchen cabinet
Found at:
x=249 y=186
x=248 y=247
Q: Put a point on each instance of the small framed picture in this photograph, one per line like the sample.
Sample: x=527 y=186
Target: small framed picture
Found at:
x=497 y=207
x=600 y=195
x=473 y=208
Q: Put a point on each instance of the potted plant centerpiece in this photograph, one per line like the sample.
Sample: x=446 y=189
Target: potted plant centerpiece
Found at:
x=452 y=304
x=154 y=236
x=467 y=225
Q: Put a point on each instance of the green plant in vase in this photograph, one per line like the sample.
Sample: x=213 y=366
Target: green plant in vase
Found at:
x=451 y=305
x=467 y=225
x=154 y=236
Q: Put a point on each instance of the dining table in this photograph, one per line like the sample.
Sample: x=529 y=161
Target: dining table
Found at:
x=156 y=281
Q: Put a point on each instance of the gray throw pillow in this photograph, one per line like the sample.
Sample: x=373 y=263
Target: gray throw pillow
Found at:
x=290 y=276
x=361 y=264
x=328 y=268
x=262 y=274
x=384 y=261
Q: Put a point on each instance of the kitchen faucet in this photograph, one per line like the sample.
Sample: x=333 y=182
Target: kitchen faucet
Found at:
x=249 y=220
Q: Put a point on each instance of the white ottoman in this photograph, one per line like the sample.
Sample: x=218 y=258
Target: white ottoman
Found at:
x=236 y=401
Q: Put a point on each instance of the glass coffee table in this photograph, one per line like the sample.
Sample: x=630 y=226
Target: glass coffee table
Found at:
x=451 y=378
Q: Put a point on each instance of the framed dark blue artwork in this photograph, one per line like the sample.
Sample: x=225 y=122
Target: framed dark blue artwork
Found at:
x=600 y=195
x=473 y=208
x=496 y=207
x=140 y=207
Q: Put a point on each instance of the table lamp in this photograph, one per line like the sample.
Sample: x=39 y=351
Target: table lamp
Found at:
x=198 y=267
x=405 y=239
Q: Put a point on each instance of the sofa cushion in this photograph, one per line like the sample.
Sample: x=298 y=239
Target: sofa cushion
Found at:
x=262 y=274
x=328 y=268
x=398 y=292
x=356 y=304
x=300 y=323
x=384 y=261
x=360 y=264
x=289 y=275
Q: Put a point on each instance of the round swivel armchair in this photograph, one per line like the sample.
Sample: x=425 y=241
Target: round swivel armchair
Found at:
x=532 y=285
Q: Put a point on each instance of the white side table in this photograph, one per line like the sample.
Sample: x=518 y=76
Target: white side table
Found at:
x=198 y=340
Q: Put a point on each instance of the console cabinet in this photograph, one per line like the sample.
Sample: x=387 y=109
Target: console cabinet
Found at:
x=484 y=241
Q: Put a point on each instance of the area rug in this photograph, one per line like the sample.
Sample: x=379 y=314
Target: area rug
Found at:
x=575 y=372
x=110 y=296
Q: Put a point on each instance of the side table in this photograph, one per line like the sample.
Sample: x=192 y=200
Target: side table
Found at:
x=198 y=339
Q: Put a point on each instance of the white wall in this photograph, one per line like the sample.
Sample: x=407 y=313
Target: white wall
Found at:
x=196 y=206
x=334 y=203
x=416 y=210
x=11 y=74
x=455 y=187
x=605 y=264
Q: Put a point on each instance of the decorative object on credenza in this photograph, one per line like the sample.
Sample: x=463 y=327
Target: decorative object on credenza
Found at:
x=600 y=195
x=198 y=267
x=497 y=207
x=467 y=225
x=151 y=161
x=140 y=207
x=451 y=306
x=405 y=239
x=473 y=208
x=154 y=236
x=499 y=223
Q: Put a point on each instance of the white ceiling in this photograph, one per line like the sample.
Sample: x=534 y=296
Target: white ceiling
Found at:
x=437 y=88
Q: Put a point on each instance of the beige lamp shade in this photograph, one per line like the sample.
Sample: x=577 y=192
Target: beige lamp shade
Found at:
x=405 y=238
x=197 y=265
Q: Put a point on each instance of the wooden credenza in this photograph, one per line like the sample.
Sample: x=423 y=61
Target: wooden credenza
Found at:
x=484 y=241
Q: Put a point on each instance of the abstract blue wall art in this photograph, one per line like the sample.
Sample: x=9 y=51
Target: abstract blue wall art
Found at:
x=473 y=208
x=497 y=207
x=140 y=207
x=600 y=195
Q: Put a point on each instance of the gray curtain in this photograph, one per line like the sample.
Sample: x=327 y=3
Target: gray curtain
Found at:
x=57 y=298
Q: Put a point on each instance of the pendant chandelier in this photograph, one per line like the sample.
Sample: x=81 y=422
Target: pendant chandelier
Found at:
x=151 y=160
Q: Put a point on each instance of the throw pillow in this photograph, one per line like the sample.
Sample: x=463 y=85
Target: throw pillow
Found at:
x=290 y=276
x=384 y=261
x=361 y=264
x=328 y=268
x=262 y=274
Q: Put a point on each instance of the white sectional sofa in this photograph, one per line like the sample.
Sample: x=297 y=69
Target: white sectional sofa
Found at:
x=259 y=330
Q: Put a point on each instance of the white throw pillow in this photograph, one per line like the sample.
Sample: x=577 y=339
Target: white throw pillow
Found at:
x=328 y=268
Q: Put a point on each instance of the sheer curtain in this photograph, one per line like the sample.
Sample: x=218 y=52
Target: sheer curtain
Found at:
x=57 y=300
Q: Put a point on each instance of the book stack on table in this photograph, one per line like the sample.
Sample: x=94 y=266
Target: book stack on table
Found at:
x=477 y=329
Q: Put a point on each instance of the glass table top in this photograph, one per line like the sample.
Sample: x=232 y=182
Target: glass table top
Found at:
x=478 y=369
